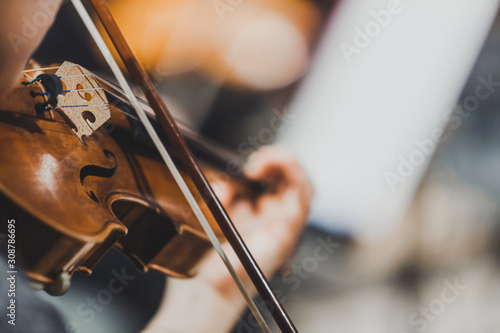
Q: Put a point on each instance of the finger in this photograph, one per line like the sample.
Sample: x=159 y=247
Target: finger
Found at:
x=269 y=162
x=224 y=192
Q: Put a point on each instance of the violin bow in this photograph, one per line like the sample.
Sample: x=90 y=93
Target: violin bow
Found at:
x=192 y=168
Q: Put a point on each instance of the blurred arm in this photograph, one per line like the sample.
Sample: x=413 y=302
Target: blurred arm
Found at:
x=23 y=24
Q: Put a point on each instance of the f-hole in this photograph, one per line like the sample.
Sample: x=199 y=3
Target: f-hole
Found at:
x=148 y=230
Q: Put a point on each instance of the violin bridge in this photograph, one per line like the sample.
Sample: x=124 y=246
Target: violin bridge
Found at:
x=82 y=101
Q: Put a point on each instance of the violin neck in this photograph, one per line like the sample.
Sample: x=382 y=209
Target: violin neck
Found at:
x=205 y=149
x=210 y=154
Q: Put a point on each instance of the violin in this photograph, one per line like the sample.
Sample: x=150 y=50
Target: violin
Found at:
x=87 y=166
x=79 y=195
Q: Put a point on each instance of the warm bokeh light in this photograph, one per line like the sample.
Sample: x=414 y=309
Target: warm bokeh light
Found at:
x=252 y=44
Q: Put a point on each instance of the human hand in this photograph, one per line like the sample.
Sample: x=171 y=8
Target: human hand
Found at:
x=269 y=224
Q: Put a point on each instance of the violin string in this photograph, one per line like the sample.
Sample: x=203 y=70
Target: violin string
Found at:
x=76 y=75
x=46 y=68
x=64 y=76
x=87 y=20
x=75 y=90
x=83 y=105
x=129 y=115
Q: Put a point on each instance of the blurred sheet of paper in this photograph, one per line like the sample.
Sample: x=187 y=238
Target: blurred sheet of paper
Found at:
x=385 y=78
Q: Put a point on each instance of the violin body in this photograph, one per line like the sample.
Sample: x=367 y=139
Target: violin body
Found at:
x=75 y=199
